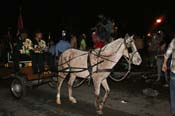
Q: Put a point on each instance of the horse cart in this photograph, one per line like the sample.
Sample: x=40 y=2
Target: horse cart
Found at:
x=25 y=78
x=95 y=65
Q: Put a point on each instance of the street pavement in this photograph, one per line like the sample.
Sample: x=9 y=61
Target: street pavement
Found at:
x=41 y=102
x=126 y=99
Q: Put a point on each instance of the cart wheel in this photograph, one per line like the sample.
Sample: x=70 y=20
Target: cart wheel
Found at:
x=18 y=89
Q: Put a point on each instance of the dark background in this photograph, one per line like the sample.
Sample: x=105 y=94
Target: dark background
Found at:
x=81 y=15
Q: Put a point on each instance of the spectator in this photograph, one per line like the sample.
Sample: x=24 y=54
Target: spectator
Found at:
x=83 y=42
x=170 y=52
x=94 y=38
x=109 y=28
x=62 y=45
x=153 y=46
x=98 y=44
x=159 y=57
x=73 y=41
x=101 y=32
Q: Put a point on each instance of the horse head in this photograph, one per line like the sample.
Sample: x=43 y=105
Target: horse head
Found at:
x=131 y=50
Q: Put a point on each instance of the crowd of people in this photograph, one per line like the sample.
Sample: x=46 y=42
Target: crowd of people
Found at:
x=41 y=51
x=104 y=32
x=156 y=48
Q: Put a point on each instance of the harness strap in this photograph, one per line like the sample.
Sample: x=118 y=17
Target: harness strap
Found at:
x=65 y=70
x=90 y=67
x=72 y=59
x=104 y=70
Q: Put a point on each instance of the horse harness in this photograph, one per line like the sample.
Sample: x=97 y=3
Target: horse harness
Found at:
x=90 y=66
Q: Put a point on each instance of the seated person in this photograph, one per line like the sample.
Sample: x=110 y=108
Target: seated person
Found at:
x=38 y=46
x=19 y=50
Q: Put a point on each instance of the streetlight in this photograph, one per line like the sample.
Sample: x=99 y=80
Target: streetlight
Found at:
x=156 y=24
x=159 y=20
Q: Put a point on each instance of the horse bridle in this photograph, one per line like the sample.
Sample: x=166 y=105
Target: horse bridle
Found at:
x=130 y=55
x=129 y=60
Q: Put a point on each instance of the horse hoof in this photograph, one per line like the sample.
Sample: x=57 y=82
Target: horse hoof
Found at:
x=73 y=100
x=99 y=112
x=58 y=102
x=100 y=106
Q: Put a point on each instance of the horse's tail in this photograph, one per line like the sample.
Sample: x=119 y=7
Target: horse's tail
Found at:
x=60 y=62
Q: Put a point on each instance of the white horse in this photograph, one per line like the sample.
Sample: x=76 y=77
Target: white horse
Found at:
x=78 y=62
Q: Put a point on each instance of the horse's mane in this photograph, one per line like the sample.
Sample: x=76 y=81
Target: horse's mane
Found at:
x=110 y=47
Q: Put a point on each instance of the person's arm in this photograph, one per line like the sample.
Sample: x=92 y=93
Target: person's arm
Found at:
x=164 y=66
x=167 y=55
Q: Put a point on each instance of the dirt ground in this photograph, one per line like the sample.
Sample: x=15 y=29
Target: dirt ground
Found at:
x=126 y=99
x=41 y=102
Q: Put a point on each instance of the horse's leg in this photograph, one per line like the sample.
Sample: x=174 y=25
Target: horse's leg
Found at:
x=97 y=85
x=61 y=78
x=70 y=84
x=107 y=90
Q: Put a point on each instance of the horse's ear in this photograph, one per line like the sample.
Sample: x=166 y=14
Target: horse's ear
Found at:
x=132 y=36
x=126 y=36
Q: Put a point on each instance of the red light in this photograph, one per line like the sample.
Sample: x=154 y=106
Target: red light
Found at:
x=159 y=20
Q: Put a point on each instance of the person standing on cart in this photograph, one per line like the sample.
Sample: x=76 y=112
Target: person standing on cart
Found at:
x=37 y=53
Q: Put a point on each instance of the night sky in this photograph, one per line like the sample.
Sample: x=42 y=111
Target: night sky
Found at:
x=81 y=15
